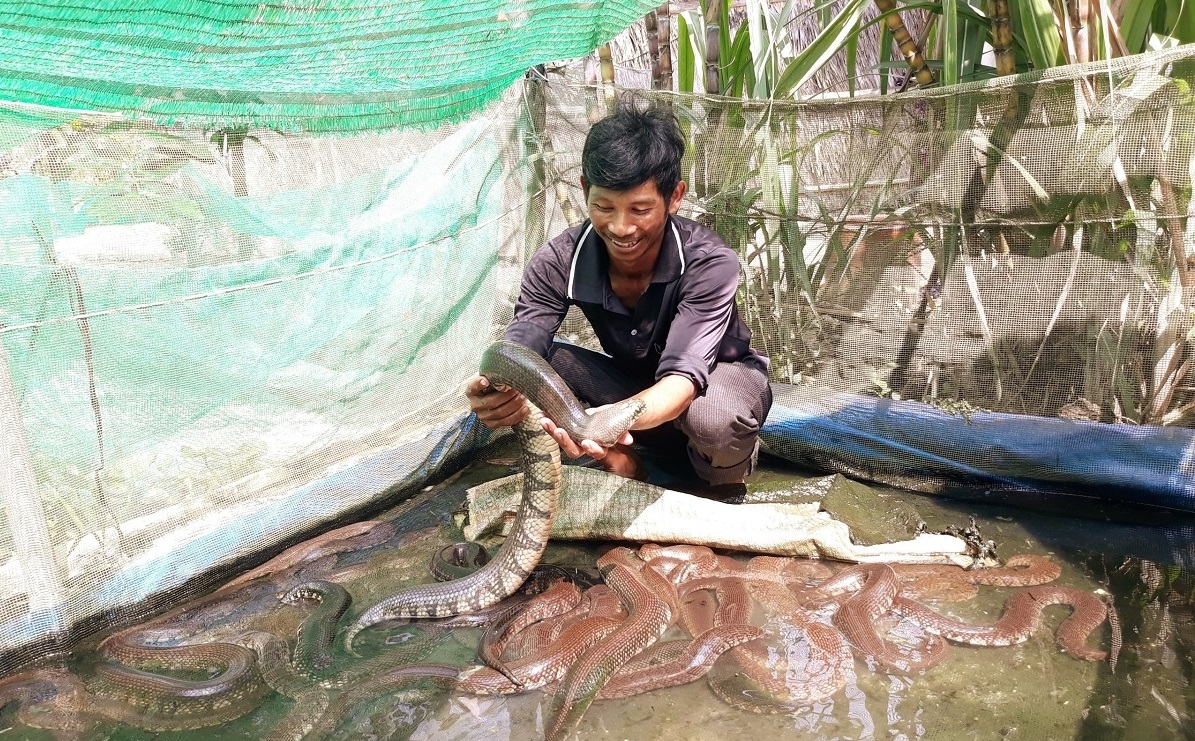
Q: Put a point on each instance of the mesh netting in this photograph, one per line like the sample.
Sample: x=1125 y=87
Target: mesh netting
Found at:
x=198 y=373
x=219 y=342
x=983 y=291
x=310 y=66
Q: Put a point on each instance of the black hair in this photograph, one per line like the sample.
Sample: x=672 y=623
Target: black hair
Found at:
x=634 y=145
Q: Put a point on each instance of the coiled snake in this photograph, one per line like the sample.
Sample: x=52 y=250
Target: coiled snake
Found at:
x=509 y=364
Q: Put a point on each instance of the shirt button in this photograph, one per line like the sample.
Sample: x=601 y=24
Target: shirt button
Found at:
x=634 y=332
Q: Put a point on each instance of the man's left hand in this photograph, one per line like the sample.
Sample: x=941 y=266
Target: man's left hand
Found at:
x=577 y=448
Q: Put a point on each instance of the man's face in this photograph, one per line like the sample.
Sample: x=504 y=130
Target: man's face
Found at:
x=631 y=222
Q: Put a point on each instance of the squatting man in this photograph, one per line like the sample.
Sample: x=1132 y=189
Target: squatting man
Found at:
x=659 y=291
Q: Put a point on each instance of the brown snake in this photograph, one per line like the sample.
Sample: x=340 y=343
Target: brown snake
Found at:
x=1022 y=616
x=511 y=364
x=651 y=603
x=872 y=589
x=676 y=662
x=354 y=536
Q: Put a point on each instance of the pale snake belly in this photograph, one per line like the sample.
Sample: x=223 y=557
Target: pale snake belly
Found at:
x=508 y=364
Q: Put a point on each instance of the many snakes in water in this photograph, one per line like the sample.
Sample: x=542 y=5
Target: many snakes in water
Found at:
x=612 y=655
x=512 y=365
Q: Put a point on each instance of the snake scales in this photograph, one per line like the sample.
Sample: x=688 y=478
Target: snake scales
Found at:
x=512 y=365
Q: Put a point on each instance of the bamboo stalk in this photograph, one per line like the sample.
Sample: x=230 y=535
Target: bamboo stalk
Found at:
x=712 y=55
x=606 y=59
x=1079 y=12
x=1006 y=60
x=1175 y=224
x=909 y=48
x=664 y=34
x=606 y=65
x=652 y=32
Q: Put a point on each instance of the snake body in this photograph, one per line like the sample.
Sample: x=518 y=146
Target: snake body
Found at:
x=154 y=701
x=810 y=664
x=557 y=600
x=940 y=582
x=651 y=604
x=872 y=589
x=458 y=560
x=313 y=650
x=355 y=536
x=53 y=699
x=511 y=364
x=1021 y=617
x=676 y=662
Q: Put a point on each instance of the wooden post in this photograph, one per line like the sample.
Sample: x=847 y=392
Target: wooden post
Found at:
x=663 y=80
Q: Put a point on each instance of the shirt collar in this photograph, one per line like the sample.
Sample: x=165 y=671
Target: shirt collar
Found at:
x=587 y=279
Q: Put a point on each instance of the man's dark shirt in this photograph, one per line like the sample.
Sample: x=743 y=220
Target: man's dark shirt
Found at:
x=685 y=322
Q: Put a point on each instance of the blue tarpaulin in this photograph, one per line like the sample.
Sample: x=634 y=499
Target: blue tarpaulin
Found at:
x=1008 y=457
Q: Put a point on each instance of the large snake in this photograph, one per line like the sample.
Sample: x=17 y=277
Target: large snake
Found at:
x=153 y=701
x=508 y=364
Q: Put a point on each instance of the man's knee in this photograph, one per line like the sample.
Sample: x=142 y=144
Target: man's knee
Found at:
x=731 y=412
x=725 y=428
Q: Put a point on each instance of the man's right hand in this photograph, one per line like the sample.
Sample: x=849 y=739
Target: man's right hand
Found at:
x=494 y=407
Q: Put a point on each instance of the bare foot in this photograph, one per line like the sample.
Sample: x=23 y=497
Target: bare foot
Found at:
x=730 y=491
x=623 y=461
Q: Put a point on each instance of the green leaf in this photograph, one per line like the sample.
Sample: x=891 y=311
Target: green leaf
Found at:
x=1135 y=24
x=1043 y=45
x=950 y=49
x=738 y=63
x=852 y=68
x=885 y=57
x=684 y=55
x=724 y=44
x=1180 y=21
x=975 y=28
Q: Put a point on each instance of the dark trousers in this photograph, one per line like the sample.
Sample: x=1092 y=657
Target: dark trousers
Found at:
x=720 y=429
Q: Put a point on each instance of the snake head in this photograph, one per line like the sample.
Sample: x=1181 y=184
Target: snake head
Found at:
x=607 y=424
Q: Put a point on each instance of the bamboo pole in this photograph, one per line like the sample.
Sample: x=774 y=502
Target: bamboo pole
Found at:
x=606 y=61
x=713 y=55
x=1006 y=59
x=652 y=32
x=664 y=34
x=909 y=48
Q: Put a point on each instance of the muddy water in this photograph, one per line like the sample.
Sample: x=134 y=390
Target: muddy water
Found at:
x=1033 y=691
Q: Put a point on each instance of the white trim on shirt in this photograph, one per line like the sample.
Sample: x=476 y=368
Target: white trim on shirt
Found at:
x=572 y=269
x=680 y=250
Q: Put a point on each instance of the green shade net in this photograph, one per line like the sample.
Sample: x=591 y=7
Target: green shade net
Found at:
x=311 y=65
x=212 y=345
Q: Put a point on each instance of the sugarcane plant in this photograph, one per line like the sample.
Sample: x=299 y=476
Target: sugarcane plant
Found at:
x=757 y=60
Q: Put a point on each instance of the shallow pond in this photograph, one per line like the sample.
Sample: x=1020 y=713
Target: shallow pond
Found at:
x=1032 y=691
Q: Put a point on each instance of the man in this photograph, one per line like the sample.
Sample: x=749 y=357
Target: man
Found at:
x=659 y=291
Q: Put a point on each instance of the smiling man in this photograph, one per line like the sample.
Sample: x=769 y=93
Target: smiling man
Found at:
x=659 y=291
